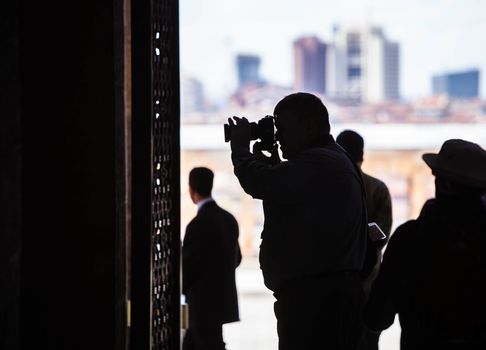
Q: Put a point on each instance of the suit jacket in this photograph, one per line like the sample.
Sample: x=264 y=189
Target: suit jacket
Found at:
x=379 y=209
x=378 y=202
x=210 y=256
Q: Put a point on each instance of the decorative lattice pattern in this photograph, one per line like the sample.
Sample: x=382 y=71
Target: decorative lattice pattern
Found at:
x=165 y=176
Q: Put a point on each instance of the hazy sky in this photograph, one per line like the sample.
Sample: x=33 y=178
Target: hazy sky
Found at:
x=434 y=36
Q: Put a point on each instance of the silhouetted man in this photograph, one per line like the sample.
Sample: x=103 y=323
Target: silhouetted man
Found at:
x=379 y=208
x=434 y=268
x=378 y=201
x=314 y=235
x=211 y=254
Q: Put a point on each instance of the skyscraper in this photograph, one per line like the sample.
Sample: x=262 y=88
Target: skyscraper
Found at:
x=248 y=69
x=364 y=65
x=310 y=65
x=459 y=84
x=392 y=71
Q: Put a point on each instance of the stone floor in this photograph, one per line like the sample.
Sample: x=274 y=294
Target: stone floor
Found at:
x=257 y=328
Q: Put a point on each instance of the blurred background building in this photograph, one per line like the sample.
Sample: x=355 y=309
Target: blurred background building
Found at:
x=248 y=67
x=457 y=84
x=364 y=64
x=310 y=60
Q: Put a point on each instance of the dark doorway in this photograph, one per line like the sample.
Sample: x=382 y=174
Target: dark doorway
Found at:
x=89 y=175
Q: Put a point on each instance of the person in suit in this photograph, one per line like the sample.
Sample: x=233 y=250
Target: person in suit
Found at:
x=378 y=205
x=379 y=210
x=210 y=254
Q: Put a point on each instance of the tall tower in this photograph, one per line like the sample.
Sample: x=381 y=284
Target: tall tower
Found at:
x=392 y=71
x=365 y=65
x=310 y=65
x=248 y=69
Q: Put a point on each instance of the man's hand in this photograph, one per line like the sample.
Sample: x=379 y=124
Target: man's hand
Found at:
x=240 y=135
x=274 y=157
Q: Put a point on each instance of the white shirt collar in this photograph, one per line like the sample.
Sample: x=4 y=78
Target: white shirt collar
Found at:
x=204 y=201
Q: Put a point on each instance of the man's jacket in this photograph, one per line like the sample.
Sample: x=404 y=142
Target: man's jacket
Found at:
x=210 y=256
x=433 y=276
x=315 y=216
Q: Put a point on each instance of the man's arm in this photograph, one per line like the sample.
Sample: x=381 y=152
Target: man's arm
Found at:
x=259 y=177
x=238 y=255
x=192 y=257
x=384 y=210
x=237 y=248
x=382 y=303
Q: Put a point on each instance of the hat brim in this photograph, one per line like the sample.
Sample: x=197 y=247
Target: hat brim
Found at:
x=430 y=159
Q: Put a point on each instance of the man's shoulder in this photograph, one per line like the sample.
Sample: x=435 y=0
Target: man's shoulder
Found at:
x=328 y=156
x=193 y=223
x=227 y=215
x=374 y=184
x=212 y=209
x=373 y=180
x=404 y=233
x=406 y=227
x=329 y=151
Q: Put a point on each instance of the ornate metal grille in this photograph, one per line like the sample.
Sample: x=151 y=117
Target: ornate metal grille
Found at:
x=165 y=288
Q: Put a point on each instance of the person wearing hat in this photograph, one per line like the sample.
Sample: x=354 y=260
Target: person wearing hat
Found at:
x=433 y=273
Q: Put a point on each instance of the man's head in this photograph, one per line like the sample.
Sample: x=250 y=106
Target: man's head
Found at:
x=301 y=119
x=459 y=168
x=353 y=143
x=200 y=183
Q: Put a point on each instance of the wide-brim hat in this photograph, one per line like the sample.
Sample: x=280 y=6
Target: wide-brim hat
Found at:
x=460 y=161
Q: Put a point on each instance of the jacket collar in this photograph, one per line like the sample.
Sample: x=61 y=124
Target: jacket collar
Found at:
x=204 y=203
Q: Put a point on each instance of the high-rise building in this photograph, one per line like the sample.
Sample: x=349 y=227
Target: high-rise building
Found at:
x=392 y=71
x=248 y=70
x=458 y=84
x=363 y=65
x=310 y=65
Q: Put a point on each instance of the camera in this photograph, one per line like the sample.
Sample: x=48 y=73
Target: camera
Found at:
x=263 y=130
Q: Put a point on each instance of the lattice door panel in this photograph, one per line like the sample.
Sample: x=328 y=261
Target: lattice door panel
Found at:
x=165 y=176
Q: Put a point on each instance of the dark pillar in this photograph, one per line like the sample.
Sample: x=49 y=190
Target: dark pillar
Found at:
x=10 y=192
x=74 y=195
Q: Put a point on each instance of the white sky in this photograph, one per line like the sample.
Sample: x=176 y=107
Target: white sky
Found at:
x=434 y=36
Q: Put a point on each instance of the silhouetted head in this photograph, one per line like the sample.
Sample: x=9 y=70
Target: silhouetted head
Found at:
x=301 y=119
x=459 y=168
x=353 y=143
x=200 y=183
x=445 y=187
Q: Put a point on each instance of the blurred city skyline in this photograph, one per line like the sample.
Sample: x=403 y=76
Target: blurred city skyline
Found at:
x=433 y=39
